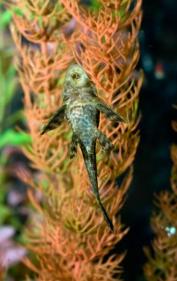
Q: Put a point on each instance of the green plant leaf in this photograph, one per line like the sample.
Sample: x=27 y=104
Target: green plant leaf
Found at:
x=5 y=18
x=5 y=213
x=11 y=137
x=17 y=11
x=95 y=5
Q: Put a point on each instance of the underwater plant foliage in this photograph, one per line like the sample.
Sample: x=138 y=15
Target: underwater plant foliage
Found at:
x=11 y=212
x=162 y=257
x=68 y=235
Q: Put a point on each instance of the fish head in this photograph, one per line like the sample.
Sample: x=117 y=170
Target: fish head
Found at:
x=76 y=77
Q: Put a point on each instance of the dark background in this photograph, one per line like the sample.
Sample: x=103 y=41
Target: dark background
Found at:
x=158 y=39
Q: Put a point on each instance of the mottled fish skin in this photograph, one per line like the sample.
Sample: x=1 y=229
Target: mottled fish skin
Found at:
x=81 y=107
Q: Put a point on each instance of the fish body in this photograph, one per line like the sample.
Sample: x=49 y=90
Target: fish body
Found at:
x=81 y=107
x=83 y=118
x=83 y=121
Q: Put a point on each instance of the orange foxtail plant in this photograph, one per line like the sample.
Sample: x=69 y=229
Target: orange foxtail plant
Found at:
x=69 y=237
x=162 y=262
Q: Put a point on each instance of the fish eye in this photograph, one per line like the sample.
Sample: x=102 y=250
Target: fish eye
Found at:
x=75 y=76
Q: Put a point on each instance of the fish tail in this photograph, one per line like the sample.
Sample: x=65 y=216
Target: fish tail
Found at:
x=90 y=162
x=107 y=219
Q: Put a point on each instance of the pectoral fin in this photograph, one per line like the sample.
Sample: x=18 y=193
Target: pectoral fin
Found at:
x=108 y=111
x=54 y=121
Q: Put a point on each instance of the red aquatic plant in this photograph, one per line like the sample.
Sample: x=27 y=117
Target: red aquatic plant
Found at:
x=162 y=262
x=69 y=236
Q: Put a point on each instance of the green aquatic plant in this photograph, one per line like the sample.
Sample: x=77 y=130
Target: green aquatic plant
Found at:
x=10 y=140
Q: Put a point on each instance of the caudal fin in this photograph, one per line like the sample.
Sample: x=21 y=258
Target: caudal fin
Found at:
x=90 y=162
x=108 y=220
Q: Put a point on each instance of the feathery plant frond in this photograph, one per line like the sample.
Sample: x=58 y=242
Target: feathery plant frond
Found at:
x=70 y=237
x=162 y=263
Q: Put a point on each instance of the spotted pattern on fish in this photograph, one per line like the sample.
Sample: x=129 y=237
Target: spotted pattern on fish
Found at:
x=82 y=107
